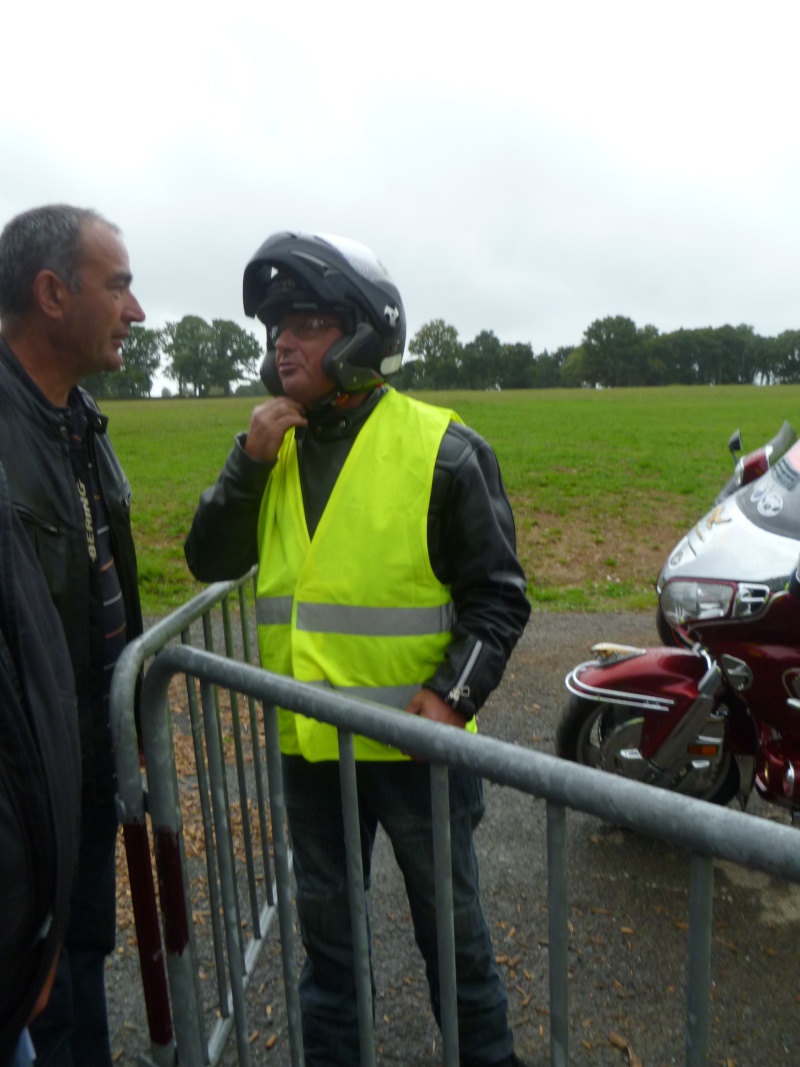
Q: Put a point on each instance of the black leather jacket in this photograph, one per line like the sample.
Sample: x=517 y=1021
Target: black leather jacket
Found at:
x=35 y=451
x=39 y=779
x=471 y=539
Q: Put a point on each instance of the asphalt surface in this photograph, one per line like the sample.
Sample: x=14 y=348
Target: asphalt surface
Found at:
x=628 y=898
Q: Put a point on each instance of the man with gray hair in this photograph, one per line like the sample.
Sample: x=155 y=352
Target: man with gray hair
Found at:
x=66 y=308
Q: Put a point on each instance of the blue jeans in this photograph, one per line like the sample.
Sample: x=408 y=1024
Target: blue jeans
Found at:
x=398 y=796
x=72 y=1031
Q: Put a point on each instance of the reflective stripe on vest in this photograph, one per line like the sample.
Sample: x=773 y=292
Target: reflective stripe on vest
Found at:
x=359 y=607
x=393 y=696
x=351 y=619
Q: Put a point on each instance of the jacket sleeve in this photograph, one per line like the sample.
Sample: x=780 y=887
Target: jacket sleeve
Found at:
x=472 y=544
x=222 y=544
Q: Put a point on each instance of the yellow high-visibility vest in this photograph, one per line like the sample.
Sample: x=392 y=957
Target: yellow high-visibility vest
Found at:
x=358 y=607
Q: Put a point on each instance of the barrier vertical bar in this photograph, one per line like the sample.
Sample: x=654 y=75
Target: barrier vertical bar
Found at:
x=558 y=932
x=280 y=848
x=131 y=812
x=166 y=818
x=358 y=906
x=227 y=870
x=208 y=637
x=445 y=932
x=241 y=778
x=701 y=891
x=204 y=792
x=198 y=993
x=257 y=767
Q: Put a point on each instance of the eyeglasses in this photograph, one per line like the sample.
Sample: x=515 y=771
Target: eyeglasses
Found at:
x=303 y=325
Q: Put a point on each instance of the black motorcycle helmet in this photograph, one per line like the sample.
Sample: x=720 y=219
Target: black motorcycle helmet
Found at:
x=316 y=272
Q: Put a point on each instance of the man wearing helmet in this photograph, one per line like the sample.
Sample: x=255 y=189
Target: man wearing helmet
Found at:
x=387 y=569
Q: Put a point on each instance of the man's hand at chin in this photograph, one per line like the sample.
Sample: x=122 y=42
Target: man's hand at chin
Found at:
x=269 y=424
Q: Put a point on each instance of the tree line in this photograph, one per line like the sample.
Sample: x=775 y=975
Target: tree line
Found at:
x=613 y=352
x=219 y=358
x=203 y=359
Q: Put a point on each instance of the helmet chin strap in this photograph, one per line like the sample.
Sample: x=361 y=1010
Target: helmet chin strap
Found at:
x=329 y=400
x=339 y=398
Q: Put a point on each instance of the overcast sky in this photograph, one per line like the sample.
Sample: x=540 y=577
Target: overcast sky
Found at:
x=521 y=167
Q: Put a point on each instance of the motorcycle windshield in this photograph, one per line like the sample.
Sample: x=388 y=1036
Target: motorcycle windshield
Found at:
x=773 y=501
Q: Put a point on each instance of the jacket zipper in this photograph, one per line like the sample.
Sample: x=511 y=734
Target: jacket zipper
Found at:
x=461 y=689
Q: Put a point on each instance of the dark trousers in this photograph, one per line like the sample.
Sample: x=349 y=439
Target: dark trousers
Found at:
x=398 y=796
x=73 y=1029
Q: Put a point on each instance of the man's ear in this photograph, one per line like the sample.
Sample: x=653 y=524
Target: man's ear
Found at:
x=49 y=293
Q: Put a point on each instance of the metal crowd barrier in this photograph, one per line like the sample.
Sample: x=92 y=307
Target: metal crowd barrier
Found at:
x=707 y=831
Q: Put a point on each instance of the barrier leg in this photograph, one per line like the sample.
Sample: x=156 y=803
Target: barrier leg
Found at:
x=701 y=887
x=558 y=919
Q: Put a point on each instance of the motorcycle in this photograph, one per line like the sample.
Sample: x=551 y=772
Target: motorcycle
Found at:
x=716 y=711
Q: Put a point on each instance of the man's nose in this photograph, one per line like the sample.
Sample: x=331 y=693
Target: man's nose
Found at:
x=286 y=338
x=134 y=311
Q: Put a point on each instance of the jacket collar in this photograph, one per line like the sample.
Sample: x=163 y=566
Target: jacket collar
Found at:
x=331 y=423
x=37 y=403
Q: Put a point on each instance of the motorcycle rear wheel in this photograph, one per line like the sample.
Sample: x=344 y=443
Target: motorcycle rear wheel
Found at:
x=607 y=736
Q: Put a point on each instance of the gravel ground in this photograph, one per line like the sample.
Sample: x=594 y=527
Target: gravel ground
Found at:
x=628 y=899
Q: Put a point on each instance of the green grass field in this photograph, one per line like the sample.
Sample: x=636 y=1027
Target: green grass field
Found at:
x=602 y=483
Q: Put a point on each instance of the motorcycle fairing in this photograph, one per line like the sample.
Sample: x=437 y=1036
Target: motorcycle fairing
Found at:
x=736 y=541
x=662 y=682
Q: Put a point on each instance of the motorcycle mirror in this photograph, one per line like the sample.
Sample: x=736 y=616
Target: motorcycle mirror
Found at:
x=735 y=443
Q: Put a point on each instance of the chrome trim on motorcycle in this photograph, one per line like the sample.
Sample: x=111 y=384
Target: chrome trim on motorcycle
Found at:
x=608 y=652
x=750 y=600
x=737 y=672
x=631 y=700
x=672 y=752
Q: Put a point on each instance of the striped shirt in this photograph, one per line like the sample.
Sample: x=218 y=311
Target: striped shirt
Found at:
x=108 y=621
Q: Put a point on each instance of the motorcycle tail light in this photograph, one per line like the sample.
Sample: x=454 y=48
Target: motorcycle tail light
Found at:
x=684 y=600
